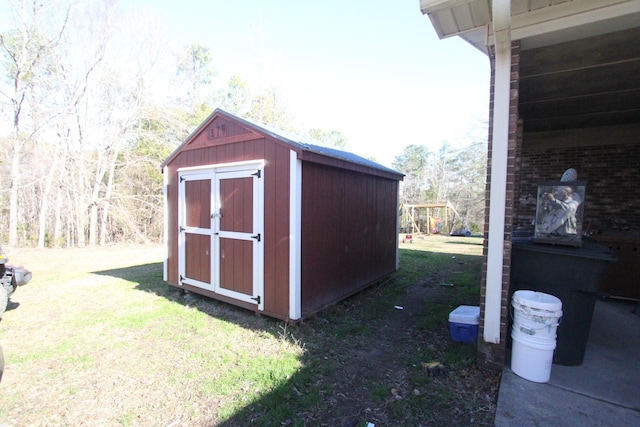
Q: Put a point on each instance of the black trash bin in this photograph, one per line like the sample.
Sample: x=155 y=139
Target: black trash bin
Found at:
x=569 y=273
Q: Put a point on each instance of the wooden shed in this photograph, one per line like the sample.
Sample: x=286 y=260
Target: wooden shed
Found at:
x=264 y=219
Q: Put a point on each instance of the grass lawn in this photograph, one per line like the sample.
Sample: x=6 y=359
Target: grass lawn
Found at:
x=97 y=338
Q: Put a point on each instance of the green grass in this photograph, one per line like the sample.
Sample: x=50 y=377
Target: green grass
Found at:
x=415 y=266
x=252 y=370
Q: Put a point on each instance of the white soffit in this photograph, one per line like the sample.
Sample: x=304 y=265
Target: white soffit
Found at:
x=452 y=17
x=530 y=19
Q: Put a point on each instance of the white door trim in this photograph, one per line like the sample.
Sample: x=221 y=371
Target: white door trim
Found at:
x=255 y=236
x=183 y=178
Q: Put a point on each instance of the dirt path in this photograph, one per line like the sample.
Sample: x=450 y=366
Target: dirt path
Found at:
x=379 y=381
x=379 y=359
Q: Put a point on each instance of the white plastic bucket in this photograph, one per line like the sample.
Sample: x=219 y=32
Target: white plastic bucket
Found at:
x=536 y=317
x=536 y=313
x=531 y=358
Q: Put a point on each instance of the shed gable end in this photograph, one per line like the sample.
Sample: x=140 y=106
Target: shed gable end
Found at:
x=219 y=131
x=221 y=128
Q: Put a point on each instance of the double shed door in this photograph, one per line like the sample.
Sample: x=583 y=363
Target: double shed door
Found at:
x=220 y=226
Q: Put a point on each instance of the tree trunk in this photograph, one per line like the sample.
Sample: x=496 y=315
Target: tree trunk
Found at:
x=107 y=197
x=57 y=228
x=13 y=193
x=95 y=196
x=93 y=223
x=46 y=194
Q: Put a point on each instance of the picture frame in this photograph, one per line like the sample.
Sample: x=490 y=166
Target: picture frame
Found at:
x=559 y=213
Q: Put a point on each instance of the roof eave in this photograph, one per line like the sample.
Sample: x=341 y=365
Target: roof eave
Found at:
x=472 y=20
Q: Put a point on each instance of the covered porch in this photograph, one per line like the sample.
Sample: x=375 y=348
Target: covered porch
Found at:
x=565 y=93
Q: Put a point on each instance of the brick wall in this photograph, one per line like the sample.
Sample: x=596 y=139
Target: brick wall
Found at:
x=610 y=168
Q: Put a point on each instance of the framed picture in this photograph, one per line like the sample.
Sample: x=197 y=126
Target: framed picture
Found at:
x=559 y=213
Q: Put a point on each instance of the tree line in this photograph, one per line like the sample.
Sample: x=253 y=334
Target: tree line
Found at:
x=451 y=175
x=91 y=104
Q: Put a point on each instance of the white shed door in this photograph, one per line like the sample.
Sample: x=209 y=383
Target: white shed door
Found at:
x=221 y=231
x=238 y=235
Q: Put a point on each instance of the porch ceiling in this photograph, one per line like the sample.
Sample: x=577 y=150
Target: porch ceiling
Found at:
x=580 y=59
x=591 y=82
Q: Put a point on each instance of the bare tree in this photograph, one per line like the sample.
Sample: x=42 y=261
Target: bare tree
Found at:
x=413 y=163
x=332 y=138
x=26 y=53
x=74 y=71
x=269 y=107
x=236 y=97
x=194 y=72
x=93 y=116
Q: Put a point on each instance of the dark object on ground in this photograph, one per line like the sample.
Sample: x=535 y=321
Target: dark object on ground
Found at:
x=462 y=232
x=10 y=278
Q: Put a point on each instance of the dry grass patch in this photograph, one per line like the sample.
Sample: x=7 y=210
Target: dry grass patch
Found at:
x=100 y=340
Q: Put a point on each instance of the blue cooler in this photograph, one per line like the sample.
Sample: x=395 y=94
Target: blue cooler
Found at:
x=463 y=323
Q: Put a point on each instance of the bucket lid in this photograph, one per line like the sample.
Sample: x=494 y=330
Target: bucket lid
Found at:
x=469 y=314
x=537 y=300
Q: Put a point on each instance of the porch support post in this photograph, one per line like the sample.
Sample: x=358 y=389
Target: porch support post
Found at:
x=495 y=254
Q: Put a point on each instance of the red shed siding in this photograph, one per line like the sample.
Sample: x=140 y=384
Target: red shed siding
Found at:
x=276 y=225
x=348 y=212
x=237 y=147
x=349 y=233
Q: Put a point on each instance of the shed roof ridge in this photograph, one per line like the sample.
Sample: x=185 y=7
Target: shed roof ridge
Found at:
x=305 y=143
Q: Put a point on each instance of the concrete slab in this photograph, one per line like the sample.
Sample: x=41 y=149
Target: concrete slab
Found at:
x=524 y=403
x=603 y=391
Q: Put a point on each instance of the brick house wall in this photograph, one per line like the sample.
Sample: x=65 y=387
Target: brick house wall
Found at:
x=612 y=199
x=493 y=356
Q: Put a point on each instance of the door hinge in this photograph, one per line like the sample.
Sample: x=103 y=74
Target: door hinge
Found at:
x=257 y=173
x=257 y=237
x=181 y=229
x=182 y=178
x=256 y=299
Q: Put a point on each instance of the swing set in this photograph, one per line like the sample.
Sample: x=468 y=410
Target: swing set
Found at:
x=426 y=219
